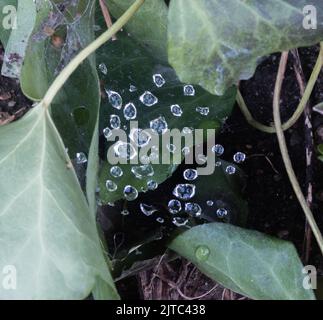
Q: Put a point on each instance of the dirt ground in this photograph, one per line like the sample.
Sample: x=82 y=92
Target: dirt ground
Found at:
x=272 y=203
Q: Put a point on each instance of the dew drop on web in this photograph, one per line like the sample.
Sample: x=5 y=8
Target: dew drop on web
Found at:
x=148 y=99
x=159 y=80
x=184 y=191
x=174 y=206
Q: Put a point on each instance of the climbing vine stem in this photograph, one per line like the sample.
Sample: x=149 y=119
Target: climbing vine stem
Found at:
x=299 y=110
x=86 y=52
x=284 y=151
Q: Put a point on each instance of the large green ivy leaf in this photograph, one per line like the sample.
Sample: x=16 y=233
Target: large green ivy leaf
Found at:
x=216 y=43
x=148 y=26
x=75 y=109
x=247 y=262
x=128 y=64
x=46 y=230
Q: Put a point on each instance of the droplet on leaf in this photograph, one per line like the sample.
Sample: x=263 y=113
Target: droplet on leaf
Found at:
x=130 y=193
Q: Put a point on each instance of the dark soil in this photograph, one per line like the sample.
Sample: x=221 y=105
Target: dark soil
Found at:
x=272 y=203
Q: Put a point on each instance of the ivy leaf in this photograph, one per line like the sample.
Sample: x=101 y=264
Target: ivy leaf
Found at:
x=128 y=65
x=245 y=261
x=75 y=109
x=216 y=43
x=148 y=26
x=47 y=232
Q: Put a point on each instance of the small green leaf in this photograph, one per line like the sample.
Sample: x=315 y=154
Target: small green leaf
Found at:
x=216 y=43
x=148 y=26
x=245 y=261
x=47 y=231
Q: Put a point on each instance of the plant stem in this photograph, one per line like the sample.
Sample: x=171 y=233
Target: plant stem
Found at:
x=285 y=155
x=299 y=110
x=92 y=47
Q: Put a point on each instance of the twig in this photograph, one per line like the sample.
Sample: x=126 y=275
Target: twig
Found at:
x=107 y=17
x=299 y=110
x=309 y=151
x=284 y=151
x=268 y=160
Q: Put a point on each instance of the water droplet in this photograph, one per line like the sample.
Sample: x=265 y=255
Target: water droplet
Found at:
x=204 y=111
x=176 y=110
x=115 y=99
x=189 y=90
x=210 y=203
x=148 y=99
x=202 y=253
x=159 y=125
x=159 y=80
x=130 y=111
x=125 y=212
x=103 y=68
x=152 y=185
x=107 y=133
x=187 y=130
x=81 y=158
x=218 y=164
x=143 y=171
x=153 y=156
x=124 y=150
x=184 y=191
x=218 y=149
x=190 y=174
x=202 y=158
x=186 y=151
x=115 y=121
x=116 y=172
x=239 y=157
x=193 y=209
x=130 y=193
x=132 y=88
x=147 y=209
x=140 y=137
x=174 y=206
x=230 y=170
x=221 y=212
x=111 y=186
x=171 y=147
x=144 y=159
x=160 y=220
x=179 y=221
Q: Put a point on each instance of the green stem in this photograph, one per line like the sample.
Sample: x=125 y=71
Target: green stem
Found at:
x=285 y=155
x=300 y=109
x=92 y=47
